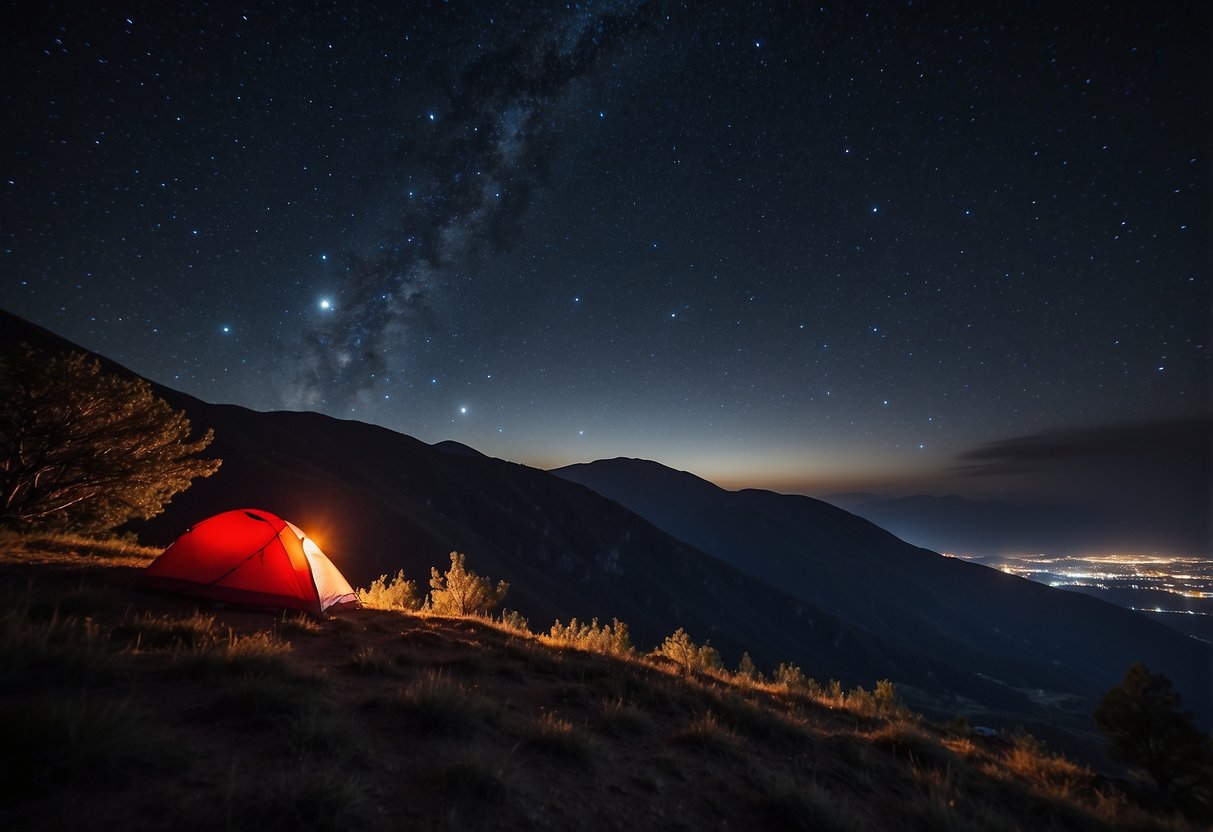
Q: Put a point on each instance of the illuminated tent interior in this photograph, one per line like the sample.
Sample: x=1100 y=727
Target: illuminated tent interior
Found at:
x=252 y=558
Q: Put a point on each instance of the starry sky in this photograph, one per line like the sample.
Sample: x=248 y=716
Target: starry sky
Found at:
x=795 y=245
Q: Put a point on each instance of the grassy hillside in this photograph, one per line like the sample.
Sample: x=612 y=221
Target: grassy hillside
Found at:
x=130 y=710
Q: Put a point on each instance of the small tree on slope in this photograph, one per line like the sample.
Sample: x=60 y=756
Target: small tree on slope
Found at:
x=460 y=592
x=83 y=450
x=1146 y=728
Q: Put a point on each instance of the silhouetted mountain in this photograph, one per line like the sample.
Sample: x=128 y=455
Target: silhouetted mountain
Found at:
x=952 y=523
x=1026 y=635
x=378 y=501
x=449 y=446
x=788 y=578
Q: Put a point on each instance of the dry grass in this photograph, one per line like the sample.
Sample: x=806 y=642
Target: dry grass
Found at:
x=434 y=704
x=559 y=739
x=705 y=733
x=239 y=720
x=58 y=547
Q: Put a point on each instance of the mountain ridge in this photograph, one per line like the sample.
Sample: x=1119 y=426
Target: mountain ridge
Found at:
x=1027 y=634
x=378 y=501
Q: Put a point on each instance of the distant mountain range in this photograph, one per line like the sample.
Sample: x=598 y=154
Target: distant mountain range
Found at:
x=787 y=578
x=952 y=523
x=1026 y=636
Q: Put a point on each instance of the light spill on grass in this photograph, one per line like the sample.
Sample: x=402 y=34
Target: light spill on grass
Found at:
x=259 y=654
x=57 y=545
x=152 y=632
x=298 y=624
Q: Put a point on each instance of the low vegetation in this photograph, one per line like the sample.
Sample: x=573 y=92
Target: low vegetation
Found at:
x=147 y=711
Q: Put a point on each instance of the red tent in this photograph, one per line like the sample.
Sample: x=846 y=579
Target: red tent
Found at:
x=251 y=557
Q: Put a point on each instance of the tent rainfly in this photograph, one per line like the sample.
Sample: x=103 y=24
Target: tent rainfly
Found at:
x=253 y=558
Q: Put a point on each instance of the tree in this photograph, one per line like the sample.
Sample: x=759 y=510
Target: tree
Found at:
x=460 y=592
x=85 y=450
x=1145 y=728
x=747 y=671
x=688 y=655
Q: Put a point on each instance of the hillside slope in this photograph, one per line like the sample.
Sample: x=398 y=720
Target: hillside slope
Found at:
x=131 y=710
x=378 y=501
x=1024 y=634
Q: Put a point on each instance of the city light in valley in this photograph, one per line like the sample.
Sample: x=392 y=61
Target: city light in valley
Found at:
x=1177 y=591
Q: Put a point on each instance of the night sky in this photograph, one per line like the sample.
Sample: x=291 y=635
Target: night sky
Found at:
x=802 y=246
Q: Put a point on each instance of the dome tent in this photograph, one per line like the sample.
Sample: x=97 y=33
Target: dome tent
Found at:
x=254 y=558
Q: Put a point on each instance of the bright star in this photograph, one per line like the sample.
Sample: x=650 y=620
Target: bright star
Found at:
x=229 y=329
x=324 y=257
x=325 y=303
x=463 y=409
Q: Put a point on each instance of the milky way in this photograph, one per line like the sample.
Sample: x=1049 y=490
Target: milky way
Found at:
x=805 y=246
x=470 y=173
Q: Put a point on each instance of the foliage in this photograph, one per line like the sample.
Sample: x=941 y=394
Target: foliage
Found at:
x=691 y=657
x=396 y=594
x=460 y=592
x=887 y=700
x=85 y=450
x=1142 y=720
x=608 y=638
x=790 y=676
x=747 y=671
x=516 y=621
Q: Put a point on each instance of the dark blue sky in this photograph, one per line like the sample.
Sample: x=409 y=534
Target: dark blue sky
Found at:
x=804 y=246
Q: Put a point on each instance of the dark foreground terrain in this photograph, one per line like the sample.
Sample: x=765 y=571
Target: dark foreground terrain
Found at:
x=129 y=710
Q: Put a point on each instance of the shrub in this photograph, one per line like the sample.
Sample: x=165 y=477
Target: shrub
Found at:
x=460 y=592
x=1142 y=720
x=515 y=621
x=397 y=594
x=747 y=671
x=609 y=638
x=790 y=676
x=688 y=655
x=887 y=701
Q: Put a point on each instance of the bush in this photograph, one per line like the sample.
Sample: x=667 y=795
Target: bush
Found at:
x=747 y=671
x=397 y=594
x=791 y=677
x=515 y=621
x=688 y=655
x=460 y=592
x=1142 y=720
x=610 y=638
x=887 y=700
